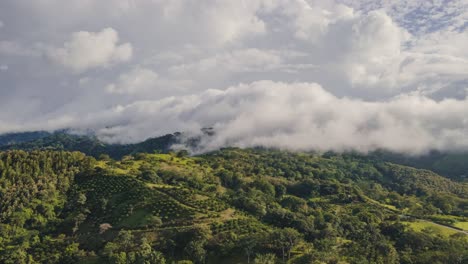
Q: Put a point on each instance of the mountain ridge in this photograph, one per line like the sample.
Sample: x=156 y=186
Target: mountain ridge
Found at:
x=451 y=165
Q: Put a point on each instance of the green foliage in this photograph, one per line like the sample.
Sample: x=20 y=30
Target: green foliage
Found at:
x=265 y=259
x=89 y=145
x=229 y=206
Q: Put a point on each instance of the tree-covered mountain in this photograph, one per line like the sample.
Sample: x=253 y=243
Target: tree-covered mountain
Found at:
x=87 y=144
x=227 y=206
x=451 y=165
x=15 y=138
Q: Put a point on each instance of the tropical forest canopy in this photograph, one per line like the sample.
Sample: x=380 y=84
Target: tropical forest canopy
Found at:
x=74 y=199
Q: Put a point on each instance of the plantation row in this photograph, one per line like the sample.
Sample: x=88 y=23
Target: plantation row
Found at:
x=189 y=197
x=118 y=197
x=239 y=227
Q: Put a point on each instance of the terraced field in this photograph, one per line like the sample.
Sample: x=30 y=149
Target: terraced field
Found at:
x=130 y=202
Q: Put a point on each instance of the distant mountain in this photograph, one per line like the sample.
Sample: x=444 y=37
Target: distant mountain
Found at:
x=87 y=144
x=15 y=138
x=450 y=165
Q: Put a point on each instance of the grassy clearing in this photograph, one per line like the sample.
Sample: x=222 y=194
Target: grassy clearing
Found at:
x=423 y=226
x=388 y=206
x=461 y=225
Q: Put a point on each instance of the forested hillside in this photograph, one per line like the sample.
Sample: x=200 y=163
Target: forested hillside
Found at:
x=228 y=206
x=450 y=165
x=90 y=145
x=16 y=138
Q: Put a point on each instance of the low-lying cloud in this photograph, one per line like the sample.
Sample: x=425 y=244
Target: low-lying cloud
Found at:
x=295 y=116
x=295 y=74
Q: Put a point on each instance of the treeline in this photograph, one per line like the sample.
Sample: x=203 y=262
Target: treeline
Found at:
x=90 y=145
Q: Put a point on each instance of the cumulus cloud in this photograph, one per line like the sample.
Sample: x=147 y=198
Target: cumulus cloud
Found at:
x=339 y=74
x=305 y=116
x=86 y=50
x=376 y=46
x=296 y=116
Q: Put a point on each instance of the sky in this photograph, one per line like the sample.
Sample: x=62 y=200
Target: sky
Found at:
x=295 y=74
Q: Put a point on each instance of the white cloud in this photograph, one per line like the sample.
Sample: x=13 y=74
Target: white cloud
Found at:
x=245 y=60
x=375 y=55
x=87 y=50
x=138 y=80
x=145 y=83
x=304 y=116
x=297 y=116
x=376 y=61
x=312 y=20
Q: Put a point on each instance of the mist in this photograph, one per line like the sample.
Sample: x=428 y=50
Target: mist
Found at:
x=296 y=75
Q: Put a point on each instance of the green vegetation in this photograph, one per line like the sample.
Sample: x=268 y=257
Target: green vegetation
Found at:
x=228 y=206
x=461 y=225
x=89 y=145
x=451 y=165
x=429 y=227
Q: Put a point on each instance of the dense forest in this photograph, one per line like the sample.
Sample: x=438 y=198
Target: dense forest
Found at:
x=88 y=144
x=228 y=206
x=451 y=165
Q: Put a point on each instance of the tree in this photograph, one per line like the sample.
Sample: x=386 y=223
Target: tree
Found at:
x=146 y=254
x=155 y=221
x=110 y=249
x=104 y=157
x=196 y=250
x=125 y=239
x=149 y=174
x=182 y=153
x=79 y=218
x=71 y=253
x=119 y=258
x=265 y=259
x=285 y=240
x=264 y=186
x=81 y=199
x=294 y=203
x=104 y=203
x=248 y=244
x=155 y=257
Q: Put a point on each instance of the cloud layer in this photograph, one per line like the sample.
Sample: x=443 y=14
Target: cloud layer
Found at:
x=296 y=74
